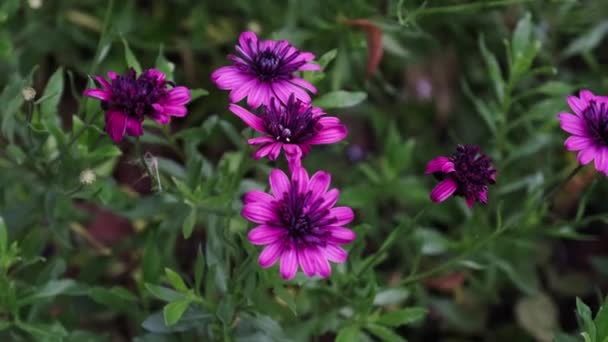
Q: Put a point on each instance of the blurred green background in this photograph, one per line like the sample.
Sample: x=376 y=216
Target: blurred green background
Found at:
x=410 y=79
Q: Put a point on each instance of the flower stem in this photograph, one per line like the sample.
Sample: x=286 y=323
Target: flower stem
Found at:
x=561 y=184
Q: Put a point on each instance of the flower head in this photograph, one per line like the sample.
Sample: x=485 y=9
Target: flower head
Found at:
x=128 y=99
x=262 y=69
x=298 y=223
x=293 y=127
x=87 y=177
x=466 y=173
x=589 y=128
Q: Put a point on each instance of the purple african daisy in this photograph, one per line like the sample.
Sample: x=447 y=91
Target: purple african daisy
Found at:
x=128 y=99
x=263 y=69
x=298 y=223
x=293 y=127
x=466 y=173
x=589 y=128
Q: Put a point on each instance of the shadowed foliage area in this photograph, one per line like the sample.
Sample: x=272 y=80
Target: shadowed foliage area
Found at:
x=426 y=171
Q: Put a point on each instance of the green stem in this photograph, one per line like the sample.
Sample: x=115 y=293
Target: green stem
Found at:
x=565 y=181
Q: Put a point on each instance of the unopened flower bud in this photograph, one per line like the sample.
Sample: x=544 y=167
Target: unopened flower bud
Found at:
x=28 y=93
x=87 y=177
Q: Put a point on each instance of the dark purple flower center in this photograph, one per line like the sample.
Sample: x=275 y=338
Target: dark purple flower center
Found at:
x=135 y=96
x=275 y=62
x=474 y=171
x=292 y=123
x=596 y=118
x=304 y=221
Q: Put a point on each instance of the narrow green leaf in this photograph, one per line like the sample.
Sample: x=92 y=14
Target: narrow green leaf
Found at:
x=584 y=314
x=175 y=280
x=196 y=93
x=327 y=57
x=482 y=108
x=163 y=293
x=130 y=58
x=588 y=40
x=384 y=334
x=286 y=297
x=348 y=334
x=52 y=93
x=521 y=35
x=172 y=312
x=601 y=322
x=189 y=223
x=340 y=99
x=402 y=317
x=493 y=69
x=199 y=267
x=164 y=65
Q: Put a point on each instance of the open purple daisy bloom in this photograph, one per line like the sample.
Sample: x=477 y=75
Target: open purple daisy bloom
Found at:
x=128 y=99
x=298 y=223
x=293 y=127
x=263 y=69
x=589 y=128
x=466 y=173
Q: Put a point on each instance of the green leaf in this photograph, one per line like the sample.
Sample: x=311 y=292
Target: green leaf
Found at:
x=199 y=267
x=391 y=296
x=172 y=312
x=588 y=40
x=586 y=322
x=402 y=317
x=175 y=280
x=493 y=70
x=117 y=298
x=601 y=321
x=482 y=108
x=130 y=58
x=151 y=260
x=4 y=325
x=189 y=223
x=348 y=334
x=51 y=289
x=327 y=57
x=383 y=333
x=193 y=318
x=340 y=99
x=52 y=94
x=286 y=297
x=521 y=35
x=163 y=293
x=106 y=151
x=196 y=93
x=164 y=65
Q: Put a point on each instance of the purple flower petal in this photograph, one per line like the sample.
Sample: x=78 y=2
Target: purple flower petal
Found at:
x=229 y=77
x=587 y=155
x=270 y=254
x=279 y=183
x=257 y=196
x=263 y=151
x=240 y=92
x=299 y=179
x=572 y=124
x=340 y=235
x=263 y=235
x=443 y=190
x=260 y=140
x=319 y=184
x=335 y=253
x=100 y=94
x=307 y=262
x=116 y=124
x=259 y=212
x=323 y=267
x=178 y=111
x=179 y=96
x=329 y=135
x=134 y=127
x=577 y=105
x=249 y=118
x=293 y=153
x=289 y=264
x=343 y=215
x=576 y=143
x=440 y=164
x=303 y=84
